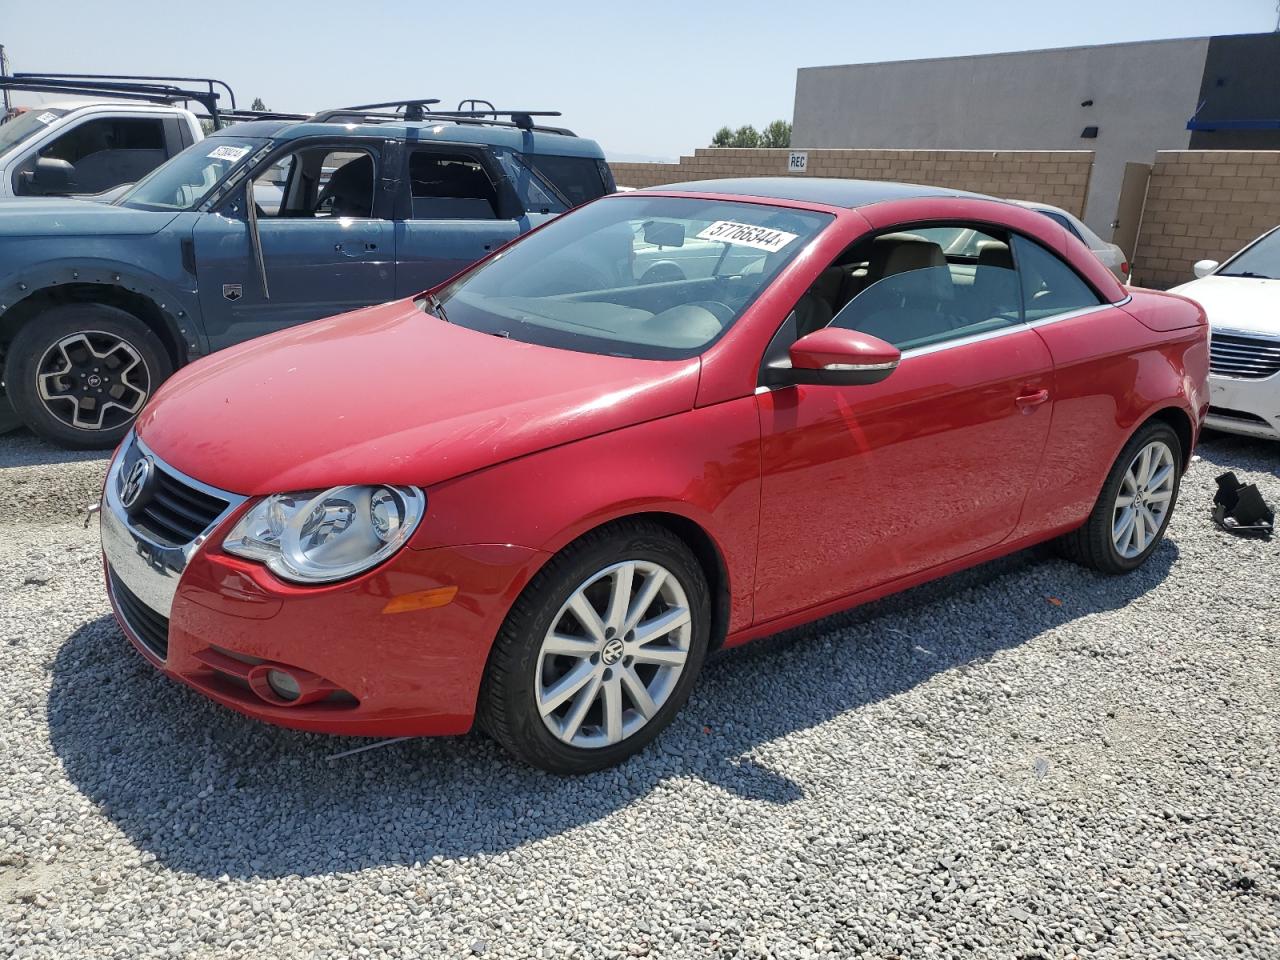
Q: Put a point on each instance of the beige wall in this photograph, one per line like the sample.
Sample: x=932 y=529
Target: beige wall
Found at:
x=1204 y=204
x=1060 y=177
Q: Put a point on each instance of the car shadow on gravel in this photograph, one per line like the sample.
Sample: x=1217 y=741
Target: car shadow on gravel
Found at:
x=205 y=790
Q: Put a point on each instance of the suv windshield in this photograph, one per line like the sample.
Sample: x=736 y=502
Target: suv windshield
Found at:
x=632 y=276
x=182 y=182
x=1260 y=261
x=26 y=125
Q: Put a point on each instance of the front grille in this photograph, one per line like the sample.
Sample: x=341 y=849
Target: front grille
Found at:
x=177 y=512
x=148 y=626
x=1232 y=355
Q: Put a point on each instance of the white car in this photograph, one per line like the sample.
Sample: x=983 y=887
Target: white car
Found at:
x=1112 y=257
x=1242 y=300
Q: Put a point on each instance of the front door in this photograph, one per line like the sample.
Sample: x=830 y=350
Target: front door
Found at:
x=866 y=485
x=323 y=250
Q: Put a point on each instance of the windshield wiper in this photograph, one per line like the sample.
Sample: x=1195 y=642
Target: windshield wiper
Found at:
x=435 y=306
x=1248 y=273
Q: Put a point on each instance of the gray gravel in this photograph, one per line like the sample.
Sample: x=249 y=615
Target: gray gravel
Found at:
x=1023 y=760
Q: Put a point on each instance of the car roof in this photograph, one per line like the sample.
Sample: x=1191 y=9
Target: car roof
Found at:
x=521 y=141
x=830 y=191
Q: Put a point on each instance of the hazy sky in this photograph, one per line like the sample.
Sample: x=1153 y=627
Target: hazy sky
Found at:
x=655 y=78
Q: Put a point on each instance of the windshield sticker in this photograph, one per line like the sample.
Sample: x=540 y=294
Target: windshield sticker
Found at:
x=230 y=154
x=746 y=235
x=47 y=118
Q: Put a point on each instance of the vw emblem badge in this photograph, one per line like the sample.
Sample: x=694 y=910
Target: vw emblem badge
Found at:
x=135 y=483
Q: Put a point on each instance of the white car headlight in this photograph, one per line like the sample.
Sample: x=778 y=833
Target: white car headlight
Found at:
x=323 y=535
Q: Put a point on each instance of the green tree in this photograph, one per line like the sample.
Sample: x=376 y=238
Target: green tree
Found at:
x=776 y=134
x=723 y=138
x=747 y=136
x=258 y=104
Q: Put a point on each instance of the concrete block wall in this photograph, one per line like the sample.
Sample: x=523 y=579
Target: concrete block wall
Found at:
x=1059 y=177
x=1204 y=204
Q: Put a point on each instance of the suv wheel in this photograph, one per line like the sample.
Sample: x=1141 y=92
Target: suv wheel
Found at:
x=79 y=374
x=600 y=652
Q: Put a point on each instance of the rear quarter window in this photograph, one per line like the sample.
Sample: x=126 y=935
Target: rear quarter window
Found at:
x=579 y=178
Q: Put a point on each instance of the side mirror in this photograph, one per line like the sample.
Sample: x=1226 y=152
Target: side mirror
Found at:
x=1202 y=268
x=52 y=176
x=664 y=233
x=836 y=357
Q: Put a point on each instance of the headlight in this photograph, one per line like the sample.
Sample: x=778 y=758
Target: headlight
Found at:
x=324 y=535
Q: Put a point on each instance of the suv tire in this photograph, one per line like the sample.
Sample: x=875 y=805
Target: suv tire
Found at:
x=79 y=374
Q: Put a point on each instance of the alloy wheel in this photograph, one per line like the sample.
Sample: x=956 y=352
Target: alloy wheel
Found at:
x=614 y=654
x=93 y=380
x=1142 y=504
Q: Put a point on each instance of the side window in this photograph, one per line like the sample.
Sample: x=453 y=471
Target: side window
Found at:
x=318 y=183
x=534 y=196
x=578 y=178
x=1060 y=219
x=449 y=187
x=1049 y=286
x=917 y=288
x=110 y=151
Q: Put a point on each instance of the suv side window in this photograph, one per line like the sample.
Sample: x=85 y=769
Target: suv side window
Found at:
x=1049 y=286
x=906 y=289
x=578 y=178
x=318 y=182
x=450 y=187
x=109 y=151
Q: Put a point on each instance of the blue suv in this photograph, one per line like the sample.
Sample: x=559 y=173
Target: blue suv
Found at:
x=262 y=225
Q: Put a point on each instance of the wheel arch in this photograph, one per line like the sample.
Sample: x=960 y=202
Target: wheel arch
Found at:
x=1180 y=421
x=163 y=314
x=696 y=537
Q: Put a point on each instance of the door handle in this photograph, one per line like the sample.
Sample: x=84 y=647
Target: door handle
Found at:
x=354 y=248
x=1029 y=401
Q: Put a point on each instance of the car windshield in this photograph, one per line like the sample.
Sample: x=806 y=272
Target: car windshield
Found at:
x=1260 y=261
x=632 y=276
x=185 y=180
x=26 y=125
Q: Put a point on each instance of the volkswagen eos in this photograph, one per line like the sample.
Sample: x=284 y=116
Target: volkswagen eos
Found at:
x=538 y=495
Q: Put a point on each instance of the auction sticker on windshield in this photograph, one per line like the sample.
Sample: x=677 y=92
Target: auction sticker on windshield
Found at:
x=231 y=154
x=746 y=235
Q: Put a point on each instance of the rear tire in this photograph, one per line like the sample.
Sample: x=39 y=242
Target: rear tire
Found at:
x=1126 y=524
x=570 y=699
x=79 y=374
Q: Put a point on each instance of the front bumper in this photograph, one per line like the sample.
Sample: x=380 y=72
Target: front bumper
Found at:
x=1245 y=406
x=390 y=665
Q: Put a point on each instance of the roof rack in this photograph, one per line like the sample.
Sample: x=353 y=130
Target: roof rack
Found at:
x=469 y=112
x=124 y=87
x=243 y=116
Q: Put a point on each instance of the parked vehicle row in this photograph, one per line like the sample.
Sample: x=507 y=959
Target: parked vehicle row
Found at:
x=1242 y=299
x=100 y=303
x=539 y=494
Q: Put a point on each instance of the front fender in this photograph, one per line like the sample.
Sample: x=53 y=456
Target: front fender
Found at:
x=143 y=266
x=702 y=465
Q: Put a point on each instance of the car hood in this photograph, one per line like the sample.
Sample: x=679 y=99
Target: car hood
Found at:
x=1237 y=303
x=41 y=217
x=390 y=394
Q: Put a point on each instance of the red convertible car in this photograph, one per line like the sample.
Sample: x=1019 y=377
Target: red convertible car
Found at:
x=673 y=420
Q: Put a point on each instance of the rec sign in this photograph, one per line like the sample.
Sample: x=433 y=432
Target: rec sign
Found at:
x=798 y=162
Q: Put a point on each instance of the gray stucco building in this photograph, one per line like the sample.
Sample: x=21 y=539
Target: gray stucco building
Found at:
x=1124 y=101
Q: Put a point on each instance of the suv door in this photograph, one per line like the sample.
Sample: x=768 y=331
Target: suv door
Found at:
x=327 y=244
x=866 y=485
x=458 y=207
x=105 y=152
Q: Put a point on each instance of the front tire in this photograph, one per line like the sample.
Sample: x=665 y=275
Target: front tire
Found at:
x=1135 y=506
x=79 y=374
x=600 y=651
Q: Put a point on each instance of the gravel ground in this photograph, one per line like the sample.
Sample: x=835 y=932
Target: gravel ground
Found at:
x=1023 y=760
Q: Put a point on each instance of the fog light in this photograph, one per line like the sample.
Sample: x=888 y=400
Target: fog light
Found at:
x=283 y=685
